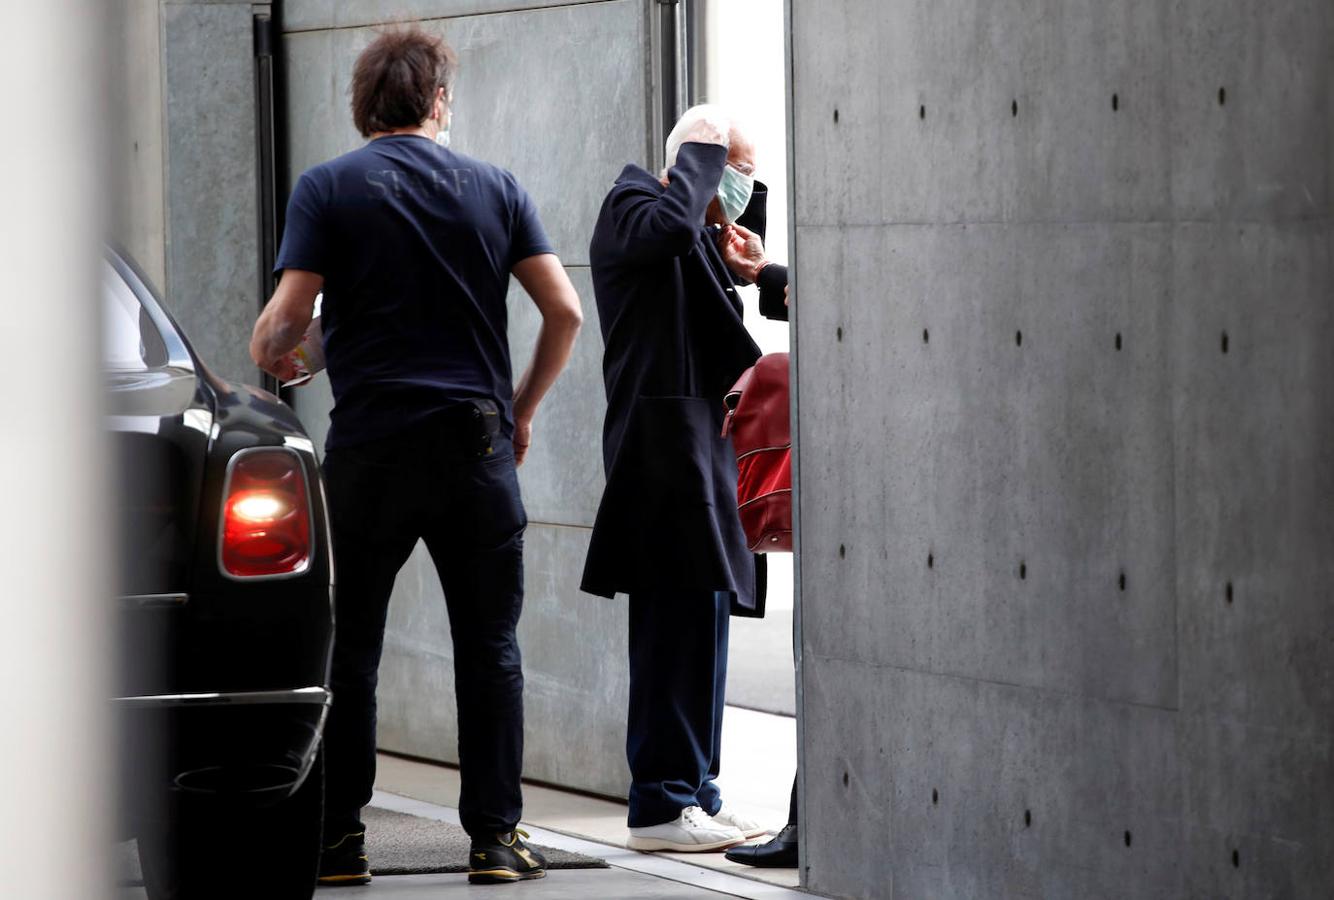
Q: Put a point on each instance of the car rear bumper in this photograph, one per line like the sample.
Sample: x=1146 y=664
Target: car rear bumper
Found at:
x=250 y=747
x=298 y=696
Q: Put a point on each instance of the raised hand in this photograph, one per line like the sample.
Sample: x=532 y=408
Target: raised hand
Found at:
x=712 y=128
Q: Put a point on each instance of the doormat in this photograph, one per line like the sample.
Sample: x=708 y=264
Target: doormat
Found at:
x=400 y=844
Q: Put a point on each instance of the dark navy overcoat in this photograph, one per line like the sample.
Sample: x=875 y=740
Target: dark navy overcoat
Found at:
x=674 y=341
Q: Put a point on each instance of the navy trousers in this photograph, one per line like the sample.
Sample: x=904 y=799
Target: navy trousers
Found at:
x=678 y=679
x=429 y=484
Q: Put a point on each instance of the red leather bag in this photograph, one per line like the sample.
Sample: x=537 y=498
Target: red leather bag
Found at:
x=758 y=423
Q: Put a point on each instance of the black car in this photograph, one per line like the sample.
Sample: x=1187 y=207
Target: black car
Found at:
x=226 y=615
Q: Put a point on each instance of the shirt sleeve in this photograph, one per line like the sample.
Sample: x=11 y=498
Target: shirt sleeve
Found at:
x=305 y=238
x=773 y=301
x=649 y=223
x=527 y=236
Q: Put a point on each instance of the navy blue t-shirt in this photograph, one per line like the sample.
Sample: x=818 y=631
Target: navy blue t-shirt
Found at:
x=415 y=243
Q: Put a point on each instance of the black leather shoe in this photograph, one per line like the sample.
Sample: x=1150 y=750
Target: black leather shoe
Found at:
x=779 y=853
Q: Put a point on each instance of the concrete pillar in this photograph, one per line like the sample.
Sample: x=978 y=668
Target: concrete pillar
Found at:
x=184 y=164
x=1063 y=277
x=212 y=212
x=137 y=200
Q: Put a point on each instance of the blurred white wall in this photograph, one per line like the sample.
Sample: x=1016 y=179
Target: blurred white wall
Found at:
x=747 y=74
x=53 y=786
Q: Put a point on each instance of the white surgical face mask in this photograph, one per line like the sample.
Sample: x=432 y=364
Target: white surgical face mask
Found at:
x=734 y=193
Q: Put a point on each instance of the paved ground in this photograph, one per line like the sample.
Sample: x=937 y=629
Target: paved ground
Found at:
x=584 y=884
x=759 y=755
x=571 y=885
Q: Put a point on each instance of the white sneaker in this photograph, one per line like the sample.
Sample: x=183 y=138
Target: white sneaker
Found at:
x=691 y=832
x=728 y=816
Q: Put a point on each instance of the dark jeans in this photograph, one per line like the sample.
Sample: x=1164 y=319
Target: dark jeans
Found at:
x=678 y=678
x=429 y=484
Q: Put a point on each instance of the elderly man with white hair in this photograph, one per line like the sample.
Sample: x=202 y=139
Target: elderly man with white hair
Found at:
x=666 y=256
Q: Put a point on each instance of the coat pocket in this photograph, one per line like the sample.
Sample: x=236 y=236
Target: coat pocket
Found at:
x=658 y=524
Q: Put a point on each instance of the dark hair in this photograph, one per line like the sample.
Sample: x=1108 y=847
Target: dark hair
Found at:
x=395 y=79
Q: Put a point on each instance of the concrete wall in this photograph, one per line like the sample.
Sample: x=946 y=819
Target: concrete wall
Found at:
x=558 y=95
x=183 y=162
x=137 y=206
x=1064 y=278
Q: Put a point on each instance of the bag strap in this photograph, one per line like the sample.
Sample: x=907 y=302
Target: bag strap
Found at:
x=733 y=398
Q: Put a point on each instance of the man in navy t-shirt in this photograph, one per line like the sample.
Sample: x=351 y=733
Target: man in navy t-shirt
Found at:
x=416 y=244
x=413 y=246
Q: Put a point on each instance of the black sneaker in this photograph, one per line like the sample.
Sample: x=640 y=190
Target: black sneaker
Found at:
x=345 y=862
x=505 y=859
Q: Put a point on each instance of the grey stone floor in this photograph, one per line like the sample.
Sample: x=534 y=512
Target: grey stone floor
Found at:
x=581 y=884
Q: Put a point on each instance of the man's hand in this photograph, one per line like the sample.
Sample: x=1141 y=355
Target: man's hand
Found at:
x=543 y=277
x=283 y=368
x=523 y=436
x=743 y=251
x=283 y=323
x=711 y=128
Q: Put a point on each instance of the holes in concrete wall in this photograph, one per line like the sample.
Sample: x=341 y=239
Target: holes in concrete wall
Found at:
x=1222 y=96
x=1014 y=108
x=838 y=334
x=1116 y=102
x=1028 y=819
x=1129 y=838
x=1023 y=570
x=842 y=551
x=1227 y=592
x=935 y=797
x=930 y=560
x=1118 y=340
x=1236 y=859
x=845 y=779
x=926 y=336
x=1121 y=581
x=1019 y=339
x=1224 y=342
x=835 y=115
x=921 y=111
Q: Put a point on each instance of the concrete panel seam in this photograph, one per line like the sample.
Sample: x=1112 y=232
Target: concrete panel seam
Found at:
x=933 y=673
x=447 y=18
x=560 y=525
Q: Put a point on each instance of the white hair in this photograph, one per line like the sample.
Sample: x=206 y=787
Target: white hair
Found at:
x=707 y=123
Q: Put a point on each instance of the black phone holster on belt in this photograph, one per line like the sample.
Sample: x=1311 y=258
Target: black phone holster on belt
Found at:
x=474 y=424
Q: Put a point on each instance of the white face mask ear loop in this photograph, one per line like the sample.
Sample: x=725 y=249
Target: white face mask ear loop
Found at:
x=446 y=112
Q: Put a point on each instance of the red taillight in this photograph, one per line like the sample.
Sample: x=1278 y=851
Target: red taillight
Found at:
x=265 y=515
